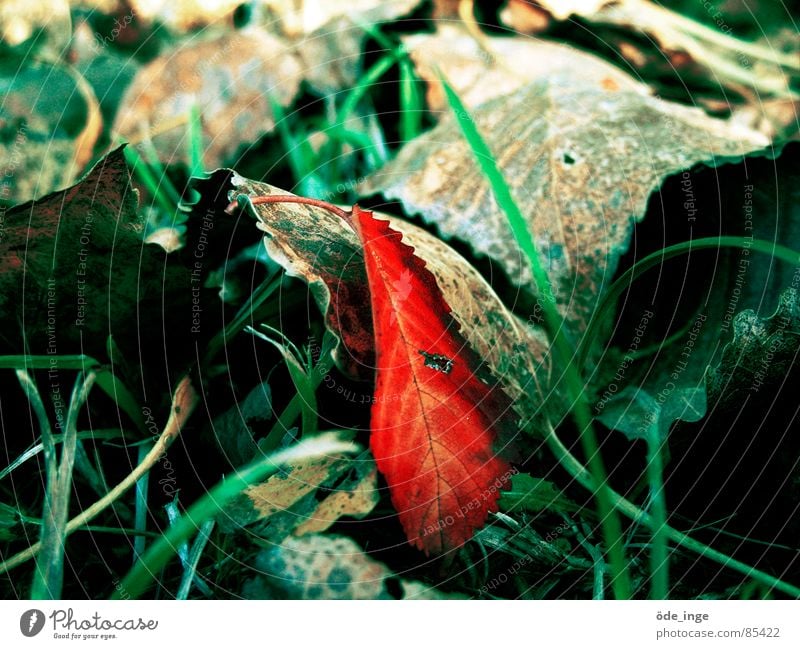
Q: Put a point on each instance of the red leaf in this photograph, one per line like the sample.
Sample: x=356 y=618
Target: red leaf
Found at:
x=437 y=410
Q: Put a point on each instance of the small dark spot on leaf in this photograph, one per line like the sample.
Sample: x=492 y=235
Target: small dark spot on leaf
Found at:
x=568 y=159
x=339 y=580
x=438 y=362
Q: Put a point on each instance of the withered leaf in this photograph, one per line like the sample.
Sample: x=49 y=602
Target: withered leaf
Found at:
x=328 y=35
x=35 y=27
x=74 y=270
x=48 y=128
x=308 y=497
x=480 y=71
x=233 y=76
x=327 y=567
x=230 y=78
x=61 y=260
x=582 y=162
x=699 y=54
x=319 y=247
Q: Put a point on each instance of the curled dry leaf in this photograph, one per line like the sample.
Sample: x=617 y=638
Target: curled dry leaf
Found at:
x=445 y=362
x=74 y=270
x=327 y=567
x=58 y=256
x=499 y=66
x=437 y=409
x=319 y=247
x=582 y=162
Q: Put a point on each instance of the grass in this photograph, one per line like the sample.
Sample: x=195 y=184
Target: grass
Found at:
x=354 y=144
x=561 y=346
x=48 y=575
x=595 y=480
x=214 y=502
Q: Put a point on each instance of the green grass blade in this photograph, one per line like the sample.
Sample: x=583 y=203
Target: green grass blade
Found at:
x=629 y=509
x=302 y=160
x=214 y=501
x=151 y=157
x=145 y=175
x=48 y=574
x=190 y=572
x=141 y=508
x=560 y=345
x=410 y=102
x=118 y=392
x=365 y=82
x=659 y=549
x=294 y=407
x=194 y=138
x=34 y=362
x=243 y=315
x=57 y=439
x=303 y=383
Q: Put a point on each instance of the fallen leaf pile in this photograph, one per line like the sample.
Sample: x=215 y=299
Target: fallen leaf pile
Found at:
x=304 y=178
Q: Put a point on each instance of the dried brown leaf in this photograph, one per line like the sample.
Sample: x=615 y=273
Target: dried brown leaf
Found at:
x=498 y=66
x=232 y=76
x=582 y=162
x=41 y=27
x=327 y=567
x=309 y=497
x=230 y=79
x=50 y=124
x=317 y=246
x=699 y=53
